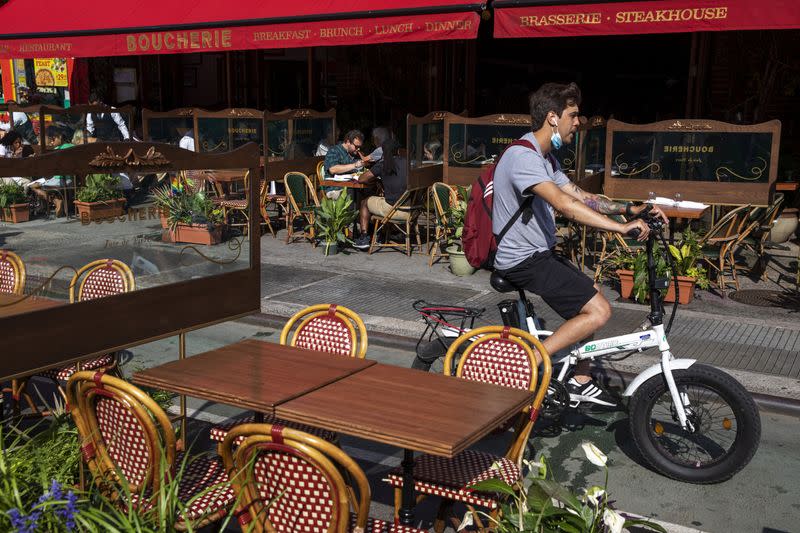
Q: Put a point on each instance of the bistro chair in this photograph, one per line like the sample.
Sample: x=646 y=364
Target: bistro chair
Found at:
x=125 y=434
x=756 y=241
x=494 y=354
x=319 y=176
x=325 y=328
x=303 y=203
x=288 y=481
x=403 y=218
x=443 y=197
x=239 y=207
x=12 y=273
x=12 y=281
x=265 y=199
x=719 y=245
x=98 y=279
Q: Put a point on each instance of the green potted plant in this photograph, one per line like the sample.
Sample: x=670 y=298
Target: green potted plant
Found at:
x=623 y=264
x=14 y=206
x=191 y=217
x=331 y=220
x=99 y=198
x=687 y=256
x=455 y=223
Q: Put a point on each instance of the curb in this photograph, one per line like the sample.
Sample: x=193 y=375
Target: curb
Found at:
x=616 y=374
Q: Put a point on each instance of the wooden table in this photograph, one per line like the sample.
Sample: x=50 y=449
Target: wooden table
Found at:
x=251 y=374
x=674 y=213
x=410 y=409
x=8 y=307
x=790 y=186
x=350 y=184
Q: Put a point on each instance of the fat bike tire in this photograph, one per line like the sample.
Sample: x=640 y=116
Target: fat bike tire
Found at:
x=724 y=413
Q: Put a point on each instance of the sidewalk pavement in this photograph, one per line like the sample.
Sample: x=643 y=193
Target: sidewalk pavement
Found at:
x=760 y=346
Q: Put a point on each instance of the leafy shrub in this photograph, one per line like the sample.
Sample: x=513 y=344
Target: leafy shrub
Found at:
x=183 y=206
x=12 y=193
x=99 y=188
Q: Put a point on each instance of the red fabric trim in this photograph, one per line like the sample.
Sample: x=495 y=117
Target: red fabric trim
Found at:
x=663 y=16
x=534 y=415
x=98 y=378
x=88 y=452
x=277 y=434
x=332 y=310
x=409 y=28
x=506 y=332
x=243 y=516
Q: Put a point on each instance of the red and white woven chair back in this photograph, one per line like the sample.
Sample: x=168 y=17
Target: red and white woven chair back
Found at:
x=328 y=330
x=10 y=275
x=500 y=360
x=105 y=277
x=125 y=440
x=304 y=496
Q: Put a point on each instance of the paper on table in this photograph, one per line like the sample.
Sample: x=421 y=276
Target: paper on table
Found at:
x=686 y=204
x=343 y=177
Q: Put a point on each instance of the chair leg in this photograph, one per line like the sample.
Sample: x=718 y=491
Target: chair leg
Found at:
x=440 y=522
x=398 y=502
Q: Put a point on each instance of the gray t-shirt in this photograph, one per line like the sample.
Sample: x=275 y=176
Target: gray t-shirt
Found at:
x=518 y=170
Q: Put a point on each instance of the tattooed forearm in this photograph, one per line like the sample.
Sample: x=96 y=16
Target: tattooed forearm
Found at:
x=604 y=205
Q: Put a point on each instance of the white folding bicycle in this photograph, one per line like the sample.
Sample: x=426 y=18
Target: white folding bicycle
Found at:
x=690 y=421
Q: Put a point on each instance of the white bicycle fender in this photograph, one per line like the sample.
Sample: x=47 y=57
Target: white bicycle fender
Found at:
x=675 y=364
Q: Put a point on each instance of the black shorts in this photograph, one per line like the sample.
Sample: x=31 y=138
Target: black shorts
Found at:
x=560 y=284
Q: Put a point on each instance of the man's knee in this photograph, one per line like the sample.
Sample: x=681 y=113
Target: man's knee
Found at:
x=598 y=309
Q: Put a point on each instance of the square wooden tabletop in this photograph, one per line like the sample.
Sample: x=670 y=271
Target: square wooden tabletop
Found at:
x=408 y=408
x=13 y=304
x=251 y=374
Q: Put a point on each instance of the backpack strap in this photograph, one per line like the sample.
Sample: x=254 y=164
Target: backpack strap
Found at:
x=525 y=203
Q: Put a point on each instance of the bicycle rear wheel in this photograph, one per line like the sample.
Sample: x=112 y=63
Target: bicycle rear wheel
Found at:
x=725 y=433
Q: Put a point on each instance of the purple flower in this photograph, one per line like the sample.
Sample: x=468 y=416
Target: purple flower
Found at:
x=21 y=523
x=69 y=510
x=55 y=490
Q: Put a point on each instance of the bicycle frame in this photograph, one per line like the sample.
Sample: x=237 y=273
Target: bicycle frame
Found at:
x=653 y=337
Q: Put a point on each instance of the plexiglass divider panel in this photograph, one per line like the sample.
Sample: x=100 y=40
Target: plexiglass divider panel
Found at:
x=297 y=139
x=117 y=275
x=425 y=144
x=81 y=124
x=704 y=160
x=473 y=143
x=591 y=150
x=169 y=126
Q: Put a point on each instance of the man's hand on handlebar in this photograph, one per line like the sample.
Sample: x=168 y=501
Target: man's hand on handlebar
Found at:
x=654 y=211
x=637 y=228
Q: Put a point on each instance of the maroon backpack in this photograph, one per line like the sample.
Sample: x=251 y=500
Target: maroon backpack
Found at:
x=480 y=243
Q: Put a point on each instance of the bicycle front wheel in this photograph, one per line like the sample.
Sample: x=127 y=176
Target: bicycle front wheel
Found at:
x=724 y=432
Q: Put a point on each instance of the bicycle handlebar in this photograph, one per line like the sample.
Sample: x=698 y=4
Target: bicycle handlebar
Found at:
x=654 y=222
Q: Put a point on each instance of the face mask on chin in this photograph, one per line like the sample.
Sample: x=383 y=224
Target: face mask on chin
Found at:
x=555 y=139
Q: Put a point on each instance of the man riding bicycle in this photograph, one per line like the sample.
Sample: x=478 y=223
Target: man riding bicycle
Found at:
x=525 y=255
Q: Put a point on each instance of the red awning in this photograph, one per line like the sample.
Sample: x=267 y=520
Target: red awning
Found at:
x=553 y=18
x=91 y=28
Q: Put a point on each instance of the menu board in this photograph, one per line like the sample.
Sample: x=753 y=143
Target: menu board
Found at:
x=715 y=156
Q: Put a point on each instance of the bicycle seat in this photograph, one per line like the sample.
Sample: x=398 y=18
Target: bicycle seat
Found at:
x=501 y=284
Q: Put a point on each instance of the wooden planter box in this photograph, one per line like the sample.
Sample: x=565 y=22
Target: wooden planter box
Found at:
x=197 y=234
x=16 y=213
x=100 y=210
x=686 y=285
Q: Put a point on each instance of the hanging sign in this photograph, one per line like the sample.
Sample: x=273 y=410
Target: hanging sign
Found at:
x=51 y=72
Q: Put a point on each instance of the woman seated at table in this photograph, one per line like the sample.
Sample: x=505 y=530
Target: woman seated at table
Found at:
x=392 y=171
x=11 y=145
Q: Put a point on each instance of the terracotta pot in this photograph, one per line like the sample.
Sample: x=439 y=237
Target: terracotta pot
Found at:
x=785 y=224
x=100 y=210
x=16 y=213
x=686 y=286
x=164 y=223
x=625 y=283
x=197 y=234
